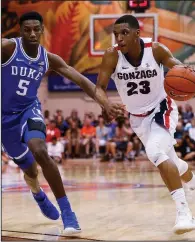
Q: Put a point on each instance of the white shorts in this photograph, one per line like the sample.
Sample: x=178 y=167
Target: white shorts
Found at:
x=158 y=127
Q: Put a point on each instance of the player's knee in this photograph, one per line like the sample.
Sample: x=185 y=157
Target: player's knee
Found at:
x=25 y=161
x=155 y=154
x=182 y=166
x=31 y=174
x=32 y=171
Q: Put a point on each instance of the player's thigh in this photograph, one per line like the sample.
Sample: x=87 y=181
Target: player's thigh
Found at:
x=161 y=136
x=159 y=144
x=33 y=132
x=16 y=149
x=141 y=126
x=33 y=126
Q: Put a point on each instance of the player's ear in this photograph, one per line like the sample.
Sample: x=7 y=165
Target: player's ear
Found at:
x=138 y=33
x=42 y=28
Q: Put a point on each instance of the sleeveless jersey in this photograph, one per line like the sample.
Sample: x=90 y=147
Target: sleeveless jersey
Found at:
x=140 y=88
x=21 y=78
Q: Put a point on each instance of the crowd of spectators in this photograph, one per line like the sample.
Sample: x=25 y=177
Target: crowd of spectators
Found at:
x=185 y=133
x=71 y=137
x=116 y=141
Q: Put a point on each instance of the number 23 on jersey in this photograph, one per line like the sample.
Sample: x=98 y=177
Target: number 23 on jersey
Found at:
x=142 y=87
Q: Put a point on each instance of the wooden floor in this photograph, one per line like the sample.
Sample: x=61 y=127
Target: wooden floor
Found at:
x=120 y=201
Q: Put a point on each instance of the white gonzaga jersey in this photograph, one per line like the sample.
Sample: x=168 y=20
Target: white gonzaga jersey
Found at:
x=140 y=88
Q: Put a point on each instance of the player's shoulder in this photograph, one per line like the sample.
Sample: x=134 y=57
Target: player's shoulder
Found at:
x=158 y=47
x=51 y=56
x=7 y=47
x=111 y=53
x=7 y=43
x=53 y=59
x=159 y=51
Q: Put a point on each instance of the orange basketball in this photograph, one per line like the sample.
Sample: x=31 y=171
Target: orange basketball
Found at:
x=179 y=83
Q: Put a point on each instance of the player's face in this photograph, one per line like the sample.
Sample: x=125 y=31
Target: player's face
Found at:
x=125 y=36
x=31 y=31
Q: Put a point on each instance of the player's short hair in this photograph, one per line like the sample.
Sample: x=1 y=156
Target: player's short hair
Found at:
x=129 y=19
x=30 y=16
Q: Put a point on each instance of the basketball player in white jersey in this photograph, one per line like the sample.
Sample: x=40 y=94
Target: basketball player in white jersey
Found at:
x=136 y=66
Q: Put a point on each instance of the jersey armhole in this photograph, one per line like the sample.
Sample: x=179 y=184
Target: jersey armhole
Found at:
x=12 y=56
x=46 y=60
x=159 y=64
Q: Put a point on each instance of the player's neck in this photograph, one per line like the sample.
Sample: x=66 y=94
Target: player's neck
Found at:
x=135 y=52
x=30 y=50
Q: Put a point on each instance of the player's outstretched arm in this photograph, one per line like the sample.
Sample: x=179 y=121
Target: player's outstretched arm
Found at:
x=7 y=49
x=57 y=64
x=164 y=56
x=108 y=65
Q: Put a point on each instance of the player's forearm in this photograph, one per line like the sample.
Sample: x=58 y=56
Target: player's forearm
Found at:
x=95 y=93
x=81 y=81
x=101 y=97
x=171 y=62
x=98 y=94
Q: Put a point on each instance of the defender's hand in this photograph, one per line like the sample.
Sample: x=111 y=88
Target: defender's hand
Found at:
x=115 y=109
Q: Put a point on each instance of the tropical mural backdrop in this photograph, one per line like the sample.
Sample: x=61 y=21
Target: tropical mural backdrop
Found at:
x=67 y=26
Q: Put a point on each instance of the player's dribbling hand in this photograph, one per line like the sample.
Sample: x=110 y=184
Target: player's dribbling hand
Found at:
x=187 y=66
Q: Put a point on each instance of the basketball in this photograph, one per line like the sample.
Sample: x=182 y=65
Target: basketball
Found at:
x=179 y=83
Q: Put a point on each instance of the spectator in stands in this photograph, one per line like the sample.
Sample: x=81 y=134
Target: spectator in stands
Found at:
x=127 y=127
x=47 y=117
x=73 y=137
x=101 y=135
x=180 y=111
x=191 y=129
x=58 y=113
x=55 y=149
x=138 y=148
x=121 y=141
x=62 y=125
x=179 y=131
x=74 y=117
x=188 y=114
x=93 y=119
x=185 y=148
x=52 y=131
x=111 y=129
x=88 y=133
x=94 y=122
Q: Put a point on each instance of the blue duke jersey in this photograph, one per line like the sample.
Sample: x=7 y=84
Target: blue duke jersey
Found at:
x=21 y=78
x=22 y=118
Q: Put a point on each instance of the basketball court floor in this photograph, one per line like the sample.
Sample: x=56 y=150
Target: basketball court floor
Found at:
x=120 y=201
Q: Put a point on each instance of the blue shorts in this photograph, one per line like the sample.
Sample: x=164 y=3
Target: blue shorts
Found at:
x=16 y=133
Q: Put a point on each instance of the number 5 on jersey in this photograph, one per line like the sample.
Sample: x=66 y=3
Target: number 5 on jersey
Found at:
x=23 y=86
x=144 y=88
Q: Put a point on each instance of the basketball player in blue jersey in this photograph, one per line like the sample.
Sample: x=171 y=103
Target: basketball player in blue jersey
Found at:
x=24 y=63
x=136 y=66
